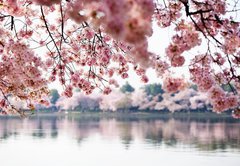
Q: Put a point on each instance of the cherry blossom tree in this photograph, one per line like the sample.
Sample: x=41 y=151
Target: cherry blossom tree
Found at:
x=86 y=44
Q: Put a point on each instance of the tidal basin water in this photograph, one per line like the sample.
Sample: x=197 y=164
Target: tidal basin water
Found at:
x=70 y=140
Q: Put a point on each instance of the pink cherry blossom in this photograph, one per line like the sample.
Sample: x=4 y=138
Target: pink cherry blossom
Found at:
x=172 y=85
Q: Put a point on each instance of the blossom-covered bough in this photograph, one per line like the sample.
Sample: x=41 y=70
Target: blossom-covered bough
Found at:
x=86 y=44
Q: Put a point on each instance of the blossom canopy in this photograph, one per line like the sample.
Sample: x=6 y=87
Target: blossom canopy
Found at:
x=87 y=44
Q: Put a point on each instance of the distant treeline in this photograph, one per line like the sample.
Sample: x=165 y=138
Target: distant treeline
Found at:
x=150 y=98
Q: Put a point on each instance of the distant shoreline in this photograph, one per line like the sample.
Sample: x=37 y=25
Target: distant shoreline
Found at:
x=137 y=115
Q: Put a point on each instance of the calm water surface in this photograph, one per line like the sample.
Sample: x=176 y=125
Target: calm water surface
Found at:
x=119 y=141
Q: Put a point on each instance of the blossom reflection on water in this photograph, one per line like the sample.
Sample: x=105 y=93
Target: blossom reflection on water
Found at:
x=95 y=137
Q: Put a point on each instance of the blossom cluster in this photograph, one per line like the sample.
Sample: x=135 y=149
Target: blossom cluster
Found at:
x=166 y=14
x=201 y=75
x=173 y=85
x=187 y=39
x=20 y=74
